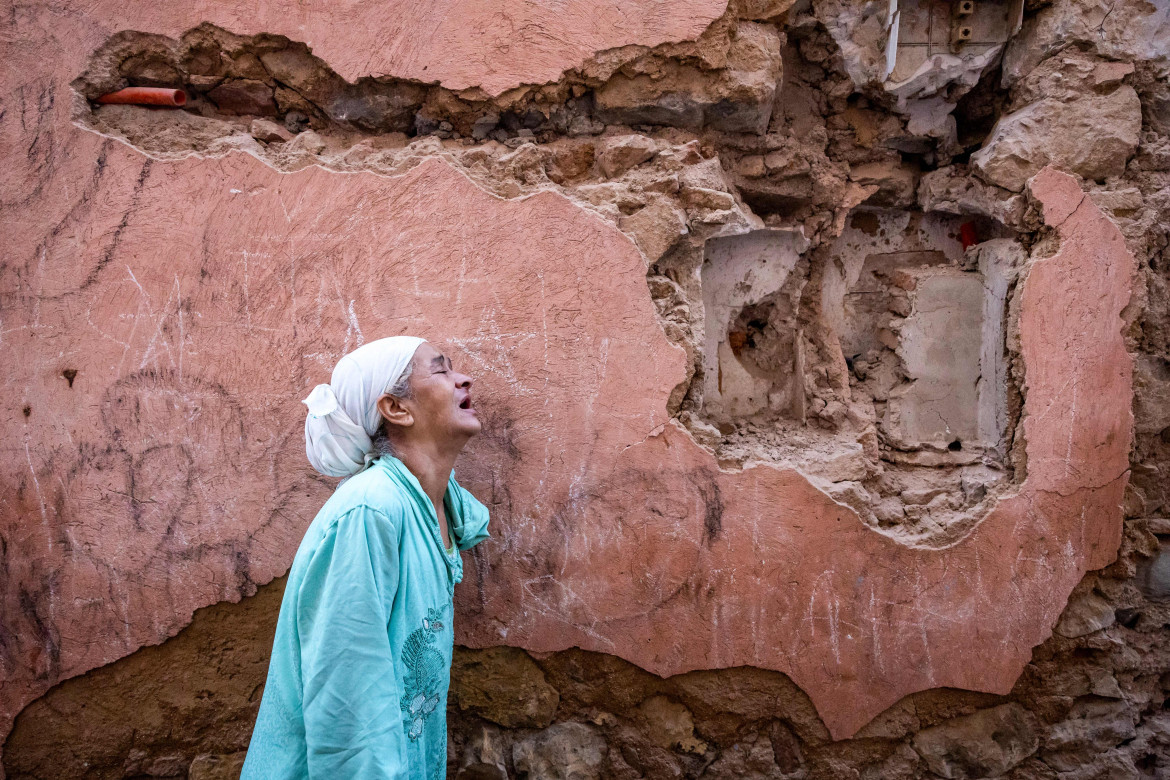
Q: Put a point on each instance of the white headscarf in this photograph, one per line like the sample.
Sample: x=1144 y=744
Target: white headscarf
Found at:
x=343 y=415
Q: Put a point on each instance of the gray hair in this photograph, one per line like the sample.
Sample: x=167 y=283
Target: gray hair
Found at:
x=401 y=389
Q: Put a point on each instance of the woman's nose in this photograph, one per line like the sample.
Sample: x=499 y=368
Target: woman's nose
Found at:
x=463 y=380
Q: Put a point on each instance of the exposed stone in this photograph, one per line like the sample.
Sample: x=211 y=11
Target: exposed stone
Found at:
x=902 y=764
x=1152 y=398
x=269 y=132
x=621 y=153
x=505 y=686
x=751 y=759
x=859 y=29
x=1129 y=31
x=737 y=98
x=655 y=228
x=571 y=161
x=308 y=141
x=953 y=191
x=1085 y=614
x=213 y=767
x=484 y=125
x=703 y=198
x=1092 y=136
x=751 y=166
x=1154 y=574
x=484 y=757
x=896 y=182
x=1093 y=726
x=244 y=96
x=785 y=748
x=668 y=724
x=632 y=756
x=932 y=118
x=1068 y=75
x=985 y=744
x=764 y=10
x=566 y=751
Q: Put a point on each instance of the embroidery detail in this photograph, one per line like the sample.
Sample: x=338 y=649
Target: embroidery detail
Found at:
x=424 y=664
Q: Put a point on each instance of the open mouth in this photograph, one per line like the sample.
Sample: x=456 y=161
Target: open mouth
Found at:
x=465 y=403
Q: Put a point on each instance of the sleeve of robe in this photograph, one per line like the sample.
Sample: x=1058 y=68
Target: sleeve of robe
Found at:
x=351 y=700
x=470 y=523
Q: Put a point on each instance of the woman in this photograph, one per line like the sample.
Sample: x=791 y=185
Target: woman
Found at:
x=361 y=663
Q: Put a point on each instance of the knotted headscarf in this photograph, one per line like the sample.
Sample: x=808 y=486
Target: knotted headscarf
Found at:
x=343 y=415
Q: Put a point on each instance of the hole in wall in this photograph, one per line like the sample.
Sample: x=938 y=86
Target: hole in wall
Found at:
x=877 y=365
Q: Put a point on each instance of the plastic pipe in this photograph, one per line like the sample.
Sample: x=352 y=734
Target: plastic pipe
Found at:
x=147 y=96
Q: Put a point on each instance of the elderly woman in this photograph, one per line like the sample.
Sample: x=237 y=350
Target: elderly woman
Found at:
x=357 y=685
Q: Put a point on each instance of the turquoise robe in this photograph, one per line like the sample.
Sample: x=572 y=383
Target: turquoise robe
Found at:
x=361 y=663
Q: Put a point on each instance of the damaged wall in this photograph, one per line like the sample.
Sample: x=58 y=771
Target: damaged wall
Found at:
x=807 y=365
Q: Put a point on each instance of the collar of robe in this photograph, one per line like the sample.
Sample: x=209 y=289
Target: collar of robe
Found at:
x=453 y=560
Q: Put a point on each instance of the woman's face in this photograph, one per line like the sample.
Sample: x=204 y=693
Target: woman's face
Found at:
x=440 y=399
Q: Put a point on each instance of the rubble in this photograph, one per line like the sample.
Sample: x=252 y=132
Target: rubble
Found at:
x=1093 y=136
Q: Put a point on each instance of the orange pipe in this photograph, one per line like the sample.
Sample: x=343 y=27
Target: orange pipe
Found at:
x=146 y=96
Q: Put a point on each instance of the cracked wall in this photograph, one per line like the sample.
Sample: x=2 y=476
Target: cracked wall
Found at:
x=796 y=365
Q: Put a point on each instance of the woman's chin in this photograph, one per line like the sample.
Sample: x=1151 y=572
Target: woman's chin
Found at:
x=469 y=422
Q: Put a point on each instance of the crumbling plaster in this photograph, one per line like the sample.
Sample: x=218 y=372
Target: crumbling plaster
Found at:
x=177 y=481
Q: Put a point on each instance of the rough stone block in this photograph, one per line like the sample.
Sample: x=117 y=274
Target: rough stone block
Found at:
x=269 y=132
x=621 y=153
x=655 y=228
x=216 y=767
x=566 y=751
x=985 y=744
x=736 y=99
x=896 y=182
x=1084 y=615
x=244 y=96
x=668 y=723
x=1092 y=136
x=503 y=685
x=484 y=757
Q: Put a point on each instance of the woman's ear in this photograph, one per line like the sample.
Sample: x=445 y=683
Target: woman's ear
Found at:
x=393 y=412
